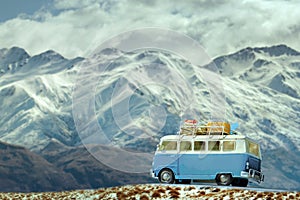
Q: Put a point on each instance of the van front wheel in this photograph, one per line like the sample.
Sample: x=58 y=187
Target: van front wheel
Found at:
x=166 y=176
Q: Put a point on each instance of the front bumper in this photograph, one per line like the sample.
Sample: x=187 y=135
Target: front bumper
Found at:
x=152 y=174
x=253 y=175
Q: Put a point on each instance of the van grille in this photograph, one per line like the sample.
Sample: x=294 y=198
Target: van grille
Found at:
x=254 y=163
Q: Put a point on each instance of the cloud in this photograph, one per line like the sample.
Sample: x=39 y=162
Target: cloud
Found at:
x=74 y=28
x=74 y=4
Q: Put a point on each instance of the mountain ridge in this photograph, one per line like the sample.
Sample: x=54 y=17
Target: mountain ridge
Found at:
x=23 y=171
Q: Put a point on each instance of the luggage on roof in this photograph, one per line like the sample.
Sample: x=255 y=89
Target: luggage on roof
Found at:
x=218 y=127
x=190 y=127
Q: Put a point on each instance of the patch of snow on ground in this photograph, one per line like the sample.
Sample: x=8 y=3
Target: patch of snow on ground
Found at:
x=157 y=191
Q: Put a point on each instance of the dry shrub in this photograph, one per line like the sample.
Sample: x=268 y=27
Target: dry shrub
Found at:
x=253 y=193
x=161 y=190
x=216 y=190
x=169 y=188
x=101 y=196
x=156 y=194
x=99 y=191
x=223 y=196
x=191 y=188
x=121 y=195
x=138 y=190
x=81 y=191
x=201 y=193
x=284 y=194
x=259 y=195
x=146 y=191
x=269 y=194
x=237 y=190
x=144 y=197
x=132 y=193
x=174 y=193
x=291 y=196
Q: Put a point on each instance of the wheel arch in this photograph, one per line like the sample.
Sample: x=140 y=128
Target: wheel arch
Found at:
x=219 y=173
x=171 y=178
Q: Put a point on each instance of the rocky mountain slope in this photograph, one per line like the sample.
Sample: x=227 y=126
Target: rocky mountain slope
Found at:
x=21 y=170
x=58 y=169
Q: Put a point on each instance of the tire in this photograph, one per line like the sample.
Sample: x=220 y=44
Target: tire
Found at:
x=240 y=182
x=166 y=176
x=224 y=179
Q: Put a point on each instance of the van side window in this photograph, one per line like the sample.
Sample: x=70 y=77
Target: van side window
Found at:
x=214 y=145
x=228 y=145
x=199 y=146
x=168 y=145
x=185 y=146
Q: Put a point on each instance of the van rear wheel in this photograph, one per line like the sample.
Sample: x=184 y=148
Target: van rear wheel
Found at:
x=224 y=179
x=166 y=176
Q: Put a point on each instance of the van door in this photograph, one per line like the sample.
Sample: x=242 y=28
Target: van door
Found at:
x=190 y=161
x=167 y=156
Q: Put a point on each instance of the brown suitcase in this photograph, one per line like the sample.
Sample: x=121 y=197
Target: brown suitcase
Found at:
x=218 y=127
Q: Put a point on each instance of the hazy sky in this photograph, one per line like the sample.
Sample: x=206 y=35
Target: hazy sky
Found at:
x=12 y=8
x=75 y=27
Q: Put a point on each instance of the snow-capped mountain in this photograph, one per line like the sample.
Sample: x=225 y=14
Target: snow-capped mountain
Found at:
x=276 y=67
x=143 y=95
x=263 y=91
x=36 y=98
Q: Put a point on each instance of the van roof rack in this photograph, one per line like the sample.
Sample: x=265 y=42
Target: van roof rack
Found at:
x=192 y=127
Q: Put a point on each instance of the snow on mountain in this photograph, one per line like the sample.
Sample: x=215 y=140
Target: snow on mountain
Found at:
x=143 y=95
x=36 y=98
x=11 y=59
x=157 y=98
x=268 y=92
x=262 y=86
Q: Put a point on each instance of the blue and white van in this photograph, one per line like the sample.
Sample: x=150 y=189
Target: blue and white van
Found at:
x=205 y=153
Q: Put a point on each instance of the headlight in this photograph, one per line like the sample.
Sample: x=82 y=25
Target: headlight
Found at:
x=247 y=165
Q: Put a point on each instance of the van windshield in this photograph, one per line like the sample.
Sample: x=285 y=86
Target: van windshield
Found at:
x=253 y=148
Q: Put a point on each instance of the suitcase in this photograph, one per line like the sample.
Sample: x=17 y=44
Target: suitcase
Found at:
x=218 y=128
